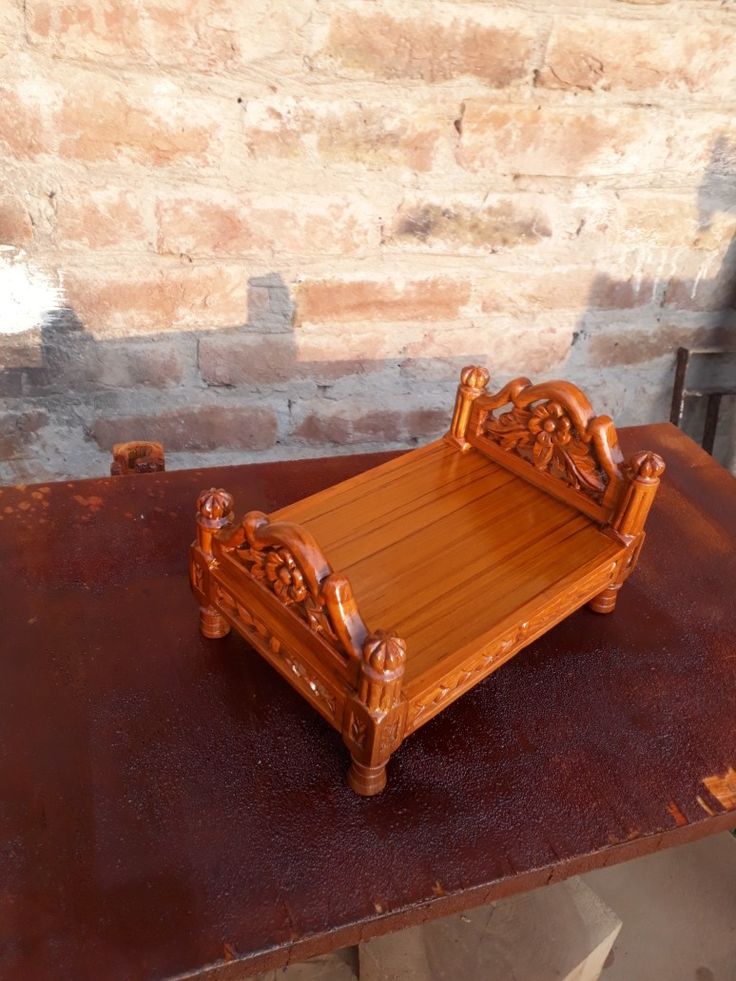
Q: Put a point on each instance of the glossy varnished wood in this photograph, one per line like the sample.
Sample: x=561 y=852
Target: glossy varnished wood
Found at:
x=170 y=802
x=387 y=597
x=443 y=546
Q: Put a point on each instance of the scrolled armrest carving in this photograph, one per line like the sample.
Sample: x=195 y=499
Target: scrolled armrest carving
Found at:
x=285 y=558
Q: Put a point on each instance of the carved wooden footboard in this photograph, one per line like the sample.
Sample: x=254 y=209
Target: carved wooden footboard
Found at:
x=536 y=451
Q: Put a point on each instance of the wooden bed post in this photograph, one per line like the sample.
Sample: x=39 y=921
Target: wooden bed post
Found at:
x=375 y=718
x=644 y=471
x=473 y=382
x=214 y=511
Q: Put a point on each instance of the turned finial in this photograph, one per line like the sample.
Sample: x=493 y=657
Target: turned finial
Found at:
x=215 y=507
x=646 y=466
x=475 y=377
x=384 y=653
x=473 y=381
x=382 y=668
x=214 y=511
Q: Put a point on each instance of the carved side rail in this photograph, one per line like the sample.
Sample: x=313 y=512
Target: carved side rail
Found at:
x=293 y=579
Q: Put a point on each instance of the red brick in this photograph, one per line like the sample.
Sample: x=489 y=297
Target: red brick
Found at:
x=674 y=219
x=145 y=300
x=375 y=138
x=427 y=422
x=318 y=429
x=22 y=350
x=377 y=426
x=521 y=292
x=11 y=26
x=208 y=427
x=613 y=54
x=15 y=222
x=340 y=301
x=255 y=359
x=18 y=431
x=99 y=218
x=220 y=222
x=356 y=424
x=501 y=225
x=352 y=132
x=708 y=294
x=198 y=35
x=573 y=289
x=565 y=141
x=507 y=344
x=433 y=51
x=128 y=364
x=102 y=119
x=637 y=345
x=22 y=121
x=608 y=292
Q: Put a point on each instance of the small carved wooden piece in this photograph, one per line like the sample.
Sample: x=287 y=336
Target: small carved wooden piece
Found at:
x=137 y=457
x=268 y=577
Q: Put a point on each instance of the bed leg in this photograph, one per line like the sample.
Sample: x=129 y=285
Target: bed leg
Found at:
x=375 y=717
x=605 y=601
x=212 y=624
x=366 y=780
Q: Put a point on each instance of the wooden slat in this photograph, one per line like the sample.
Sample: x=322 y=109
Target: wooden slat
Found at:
x=450 y=538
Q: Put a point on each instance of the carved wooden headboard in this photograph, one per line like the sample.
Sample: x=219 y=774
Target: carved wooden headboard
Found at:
x=547 y=434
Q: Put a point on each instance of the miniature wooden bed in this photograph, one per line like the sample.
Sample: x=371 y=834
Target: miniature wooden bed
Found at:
x=448 y=560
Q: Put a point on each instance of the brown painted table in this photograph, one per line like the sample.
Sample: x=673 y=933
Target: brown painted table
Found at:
x=155 y=818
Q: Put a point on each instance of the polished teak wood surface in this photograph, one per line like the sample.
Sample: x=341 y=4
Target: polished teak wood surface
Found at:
x=169 y=802
x=386 y=597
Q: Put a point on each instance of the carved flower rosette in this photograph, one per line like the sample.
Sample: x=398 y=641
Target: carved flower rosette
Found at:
x=277 y=569
x=546 y=436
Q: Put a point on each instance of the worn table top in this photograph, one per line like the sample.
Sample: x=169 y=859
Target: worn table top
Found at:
x=169 y=802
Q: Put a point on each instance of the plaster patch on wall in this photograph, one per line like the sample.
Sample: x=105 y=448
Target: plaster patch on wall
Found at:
x=29 y=294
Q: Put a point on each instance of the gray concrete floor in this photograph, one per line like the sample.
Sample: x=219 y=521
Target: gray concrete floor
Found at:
x=678 y=909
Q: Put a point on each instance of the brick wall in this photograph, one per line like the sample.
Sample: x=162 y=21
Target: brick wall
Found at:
x=267 y=228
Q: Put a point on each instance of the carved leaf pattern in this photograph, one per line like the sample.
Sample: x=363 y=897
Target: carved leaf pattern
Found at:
x=358 y=730
x=390 y=735
x=197 y=576
x=546 y=437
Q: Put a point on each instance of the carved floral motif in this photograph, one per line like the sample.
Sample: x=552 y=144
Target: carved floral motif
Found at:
x=285 y=577
x=276 y=568
x=546 y=437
